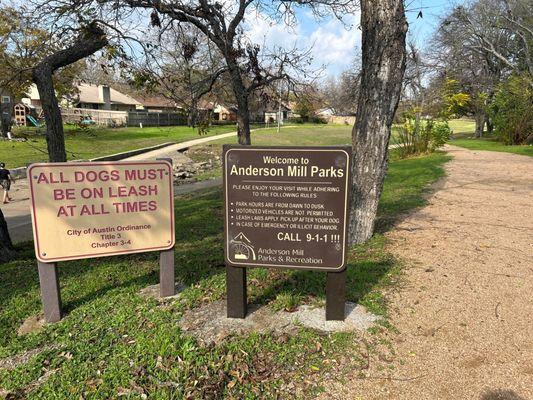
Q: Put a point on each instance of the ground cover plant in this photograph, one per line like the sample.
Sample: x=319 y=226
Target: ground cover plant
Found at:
x=115 y=343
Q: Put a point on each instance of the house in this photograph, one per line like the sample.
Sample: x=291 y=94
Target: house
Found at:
x=267 y=112
x=325 y=112
x=5 y=97
x=224 y=113
x=100 y=97
x=271 y=113
x=94 y=97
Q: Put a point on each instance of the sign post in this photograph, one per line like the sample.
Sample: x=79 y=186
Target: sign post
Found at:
x=237 y=297
x=167 y=273
x=50 y=294
x=286 y=207
x=98 y=209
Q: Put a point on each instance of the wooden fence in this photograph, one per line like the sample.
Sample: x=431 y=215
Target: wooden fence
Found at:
x=100 y=117
x=135 y=118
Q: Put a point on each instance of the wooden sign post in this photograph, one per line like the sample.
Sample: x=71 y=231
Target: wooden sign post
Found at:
x=286 y=207
x=98 y=209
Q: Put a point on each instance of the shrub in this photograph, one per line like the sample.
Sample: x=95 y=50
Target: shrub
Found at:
x=512 y=110
x=418 y=137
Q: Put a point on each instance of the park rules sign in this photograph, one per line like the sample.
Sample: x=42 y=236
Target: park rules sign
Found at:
x=96 y=209
x=286 y=206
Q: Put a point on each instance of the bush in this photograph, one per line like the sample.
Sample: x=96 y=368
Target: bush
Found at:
x=512 y=110
x=418 y=137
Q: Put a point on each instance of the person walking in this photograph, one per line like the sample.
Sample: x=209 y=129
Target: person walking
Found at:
x=5 y=181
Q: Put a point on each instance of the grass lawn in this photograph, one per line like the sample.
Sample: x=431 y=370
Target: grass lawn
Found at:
x=491 y=144
x=463 y=130
x=97 y=142
x=114 y=342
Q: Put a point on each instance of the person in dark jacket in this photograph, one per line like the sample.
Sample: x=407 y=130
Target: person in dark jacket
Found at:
x=5 y=182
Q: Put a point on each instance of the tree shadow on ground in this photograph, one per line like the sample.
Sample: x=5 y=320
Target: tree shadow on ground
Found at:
x=199 y=256
x=406 y=188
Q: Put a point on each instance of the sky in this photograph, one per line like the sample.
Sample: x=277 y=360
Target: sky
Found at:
x=334 y=44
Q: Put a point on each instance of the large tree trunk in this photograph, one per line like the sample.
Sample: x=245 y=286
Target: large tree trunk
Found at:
x=384 y=29
x=7 y=251
x=5 y=119
x=243 y=123
x=241 y=97
x=479 y=117
x=90 y=41
x=55 y=138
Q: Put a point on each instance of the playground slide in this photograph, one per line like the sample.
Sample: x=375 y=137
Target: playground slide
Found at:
x=33 y=121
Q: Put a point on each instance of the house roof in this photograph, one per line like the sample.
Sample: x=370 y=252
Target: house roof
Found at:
x=325 y=111
x=205 y=105
x=155 y=101
x=90 y=94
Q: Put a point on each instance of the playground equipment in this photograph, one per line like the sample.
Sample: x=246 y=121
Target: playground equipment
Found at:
x=25 y=115
x=33 y=121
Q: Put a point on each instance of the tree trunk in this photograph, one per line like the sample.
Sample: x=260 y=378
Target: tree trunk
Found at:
x=5 y=119
x=243 y=123
x=192 y=116
x=490 y=125
x=7 y=251
x=241 y=97
x=91 y=39
x=384 y=29
x=480 y=123
x=55 y=137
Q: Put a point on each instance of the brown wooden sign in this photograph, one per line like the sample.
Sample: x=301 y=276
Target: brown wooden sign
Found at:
x=286 y=207
x=97 y=209
x=83 y=210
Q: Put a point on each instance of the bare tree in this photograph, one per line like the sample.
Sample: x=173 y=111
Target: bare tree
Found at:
x=182 y=66
x=384 y=28
x=341 y=94
x=480 y=44
x=243 y=62
x=249 y=66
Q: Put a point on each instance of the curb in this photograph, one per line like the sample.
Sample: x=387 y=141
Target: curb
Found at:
x=20 y=172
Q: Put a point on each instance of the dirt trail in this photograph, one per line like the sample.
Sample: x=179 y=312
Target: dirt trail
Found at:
x=465 y=314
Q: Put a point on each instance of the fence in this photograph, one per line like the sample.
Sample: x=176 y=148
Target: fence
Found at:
x=100 y=117
x=341 y=119
x=155 y=119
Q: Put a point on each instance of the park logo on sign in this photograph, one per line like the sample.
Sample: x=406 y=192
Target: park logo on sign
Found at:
x=96 y=209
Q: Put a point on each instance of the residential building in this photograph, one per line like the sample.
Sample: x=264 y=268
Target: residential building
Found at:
x=94 y=97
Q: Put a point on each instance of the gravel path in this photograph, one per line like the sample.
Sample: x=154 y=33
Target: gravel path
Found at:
x=465 y=314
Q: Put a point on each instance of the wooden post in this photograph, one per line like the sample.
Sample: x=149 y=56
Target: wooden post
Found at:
x=335 y=295
x=50 y=294
x=237 y=302
x=167 y=273
x=167 y=285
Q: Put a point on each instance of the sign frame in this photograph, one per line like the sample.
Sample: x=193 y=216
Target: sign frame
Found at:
x=346 y=149
x=41 y=256
x=48 y=269
x=236 y=279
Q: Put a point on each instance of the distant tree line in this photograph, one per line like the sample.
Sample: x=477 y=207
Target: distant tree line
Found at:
x=480 y=63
